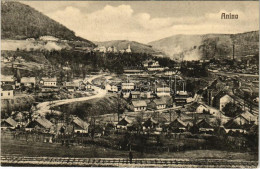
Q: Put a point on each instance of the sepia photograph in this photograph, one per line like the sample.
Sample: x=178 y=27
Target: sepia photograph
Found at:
x=130 y=84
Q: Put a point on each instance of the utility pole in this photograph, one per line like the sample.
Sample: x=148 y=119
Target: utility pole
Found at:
x=233 y=51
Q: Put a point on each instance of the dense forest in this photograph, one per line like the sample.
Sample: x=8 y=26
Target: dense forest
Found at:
x=19 y=21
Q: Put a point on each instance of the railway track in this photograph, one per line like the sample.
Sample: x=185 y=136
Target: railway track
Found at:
x=121 y=162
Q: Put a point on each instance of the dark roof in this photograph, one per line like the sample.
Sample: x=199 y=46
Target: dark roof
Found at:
x=124 y=121
x=7 y=87
x=177 y=123
x=204 y=124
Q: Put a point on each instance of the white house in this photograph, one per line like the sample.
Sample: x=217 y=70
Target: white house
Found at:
x=7 y=92
x=163 y=91
x=155 y=69
x=128 y=86
x=49 y=81
x=139 y=105
x=224 y=100
x=111 y=87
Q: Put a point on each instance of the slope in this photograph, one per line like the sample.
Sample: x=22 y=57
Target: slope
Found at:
x=20 y=21
x=195 y=47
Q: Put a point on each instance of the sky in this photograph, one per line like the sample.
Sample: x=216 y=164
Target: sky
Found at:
x=146 y=21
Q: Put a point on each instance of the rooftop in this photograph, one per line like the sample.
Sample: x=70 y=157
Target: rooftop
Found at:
x=139 y=103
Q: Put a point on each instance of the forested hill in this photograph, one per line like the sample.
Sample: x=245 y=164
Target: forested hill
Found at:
x=20 y=21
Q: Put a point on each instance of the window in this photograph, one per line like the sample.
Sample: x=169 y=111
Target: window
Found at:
x=8 y=93
x=1 y=94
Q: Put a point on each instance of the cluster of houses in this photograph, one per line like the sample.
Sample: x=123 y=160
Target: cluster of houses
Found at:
x=242 y=123
x=113 y=49
x=22 y=120
x=10 y=86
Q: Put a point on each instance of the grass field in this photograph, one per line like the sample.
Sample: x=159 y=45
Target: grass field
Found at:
x=23 y=148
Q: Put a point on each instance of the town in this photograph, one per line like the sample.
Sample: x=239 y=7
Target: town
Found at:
x=151 y=102
x=186 y=100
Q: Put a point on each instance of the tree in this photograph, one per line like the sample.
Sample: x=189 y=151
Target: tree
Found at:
x=232 y=109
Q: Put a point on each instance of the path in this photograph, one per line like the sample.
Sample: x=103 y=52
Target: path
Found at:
x=44 y=107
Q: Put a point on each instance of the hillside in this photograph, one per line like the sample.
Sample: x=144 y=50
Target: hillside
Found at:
x=195 y=47
x=136 y=47
x=20 y=21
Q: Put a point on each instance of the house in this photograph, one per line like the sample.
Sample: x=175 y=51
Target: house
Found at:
x=146 y=94
x=128 y=86
x=245 y=118
x=28 y=81
x=152 y=69
x=135 y=94
x=201 y=109
x=112 y=87
x=234 y=125
x=52 y=82
x=79 y=125
x=158 y=104
x=163 y=91
x=10 y=80
x=8 y=123
x=71 y=86
x=139 y=105
x=150 y=123
x=40 y=123
x=170 y=73
x=133 y=72
x=224 y=100
x=7 y=92
x=124 y=123
x=177 y=126
x=205 y=126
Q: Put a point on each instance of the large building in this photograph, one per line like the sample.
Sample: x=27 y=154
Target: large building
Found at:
x=49 y=82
